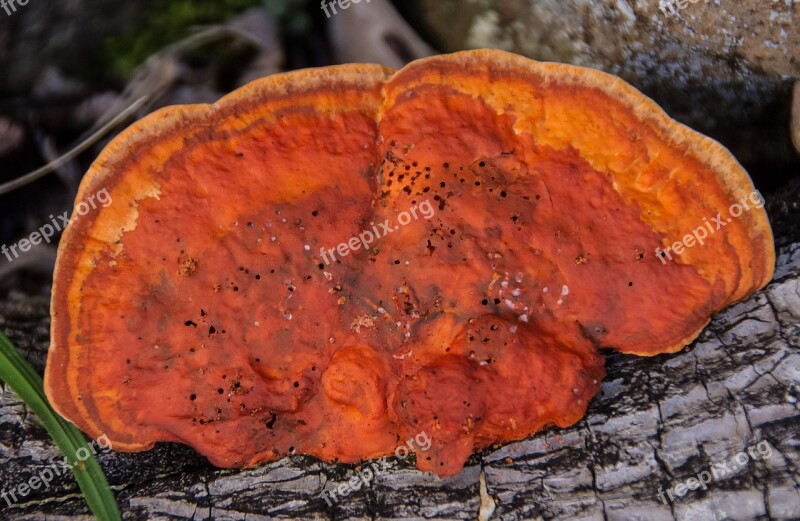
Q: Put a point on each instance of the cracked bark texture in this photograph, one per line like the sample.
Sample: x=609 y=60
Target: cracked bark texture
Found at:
x=656 y=422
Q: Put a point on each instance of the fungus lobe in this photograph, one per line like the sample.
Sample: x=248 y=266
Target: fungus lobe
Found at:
x=199 y=306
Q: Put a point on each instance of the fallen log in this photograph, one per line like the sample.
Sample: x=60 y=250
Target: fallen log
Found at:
x=656 y=423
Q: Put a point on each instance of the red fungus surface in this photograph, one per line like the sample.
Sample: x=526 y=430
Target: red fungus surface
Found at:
x=199 y=308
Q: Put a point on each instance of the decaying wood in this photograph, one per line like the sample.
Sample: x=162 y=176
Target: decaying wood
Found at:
x=656 y=422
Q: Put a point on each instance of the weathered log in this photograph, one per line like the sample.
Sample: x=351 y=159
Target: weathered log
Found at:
x=656 y=423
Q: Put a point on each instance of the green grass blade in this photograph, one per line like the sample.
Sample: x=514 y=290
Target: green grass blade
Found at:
x=18 y=373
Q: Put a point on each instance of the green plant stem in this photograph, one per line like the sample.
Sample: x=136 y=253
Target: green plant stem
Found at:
x=18 y=373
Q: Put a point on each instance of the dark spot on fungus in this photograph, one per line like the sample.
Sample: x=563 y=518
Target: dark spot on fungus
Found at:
x=502 y=324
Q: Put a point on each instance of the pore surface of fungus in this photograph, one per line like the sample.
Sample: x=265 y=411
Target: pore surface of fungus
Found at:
x=199 y=307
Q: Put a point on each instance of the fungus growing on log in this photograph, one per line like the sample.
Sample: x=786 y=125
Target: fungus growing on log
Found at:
x=223 y=302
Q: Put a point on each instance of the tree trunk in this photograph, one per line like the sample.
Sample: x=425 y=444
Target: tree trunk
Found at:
x=656 y=423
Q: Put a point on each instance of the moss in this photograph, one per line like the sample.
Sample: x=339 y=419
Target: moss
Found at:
x=168 y=21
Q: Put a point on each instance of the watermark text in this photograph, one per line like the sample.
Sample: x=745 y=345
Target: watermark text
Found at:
x=46 y=475
x=709 y=227
x=367 y=237
x=672 y=7
x=368 y=473
x=760 y=451
x=46 y=232
x=10 y=6
x=329 y=6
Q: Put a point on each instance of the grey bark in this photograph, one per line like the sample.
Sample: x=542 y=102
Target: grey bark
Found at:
x=656 y=422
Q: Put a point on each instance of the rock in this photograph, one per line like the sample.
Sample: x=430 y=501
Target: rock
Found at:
x=724 y=67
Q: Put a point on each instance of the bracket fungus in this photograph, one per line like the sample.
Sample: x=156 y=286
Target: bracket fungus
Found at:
x=197 y=307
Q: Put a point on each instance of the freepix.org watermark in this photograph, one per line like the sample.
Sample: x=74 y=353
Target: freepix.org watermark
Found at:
x=366 y=475
x=710 y=227
x=45 y=476
x=46 y=232
x=671 y=7
x=760 y=451
x=367 y=237
x=10 y=6
x=329 y=6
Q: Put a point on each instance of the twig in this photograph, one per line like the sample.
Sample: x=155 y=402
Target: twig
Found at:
x=86 y=143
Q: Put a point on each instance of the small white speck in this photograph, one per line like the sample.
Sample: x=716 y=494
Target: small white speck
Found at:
x=545 y=290
x=256 y=323
x=509 y=304
x=564 y=290
x=513 y=329
x=381 y=311
x=519 y=277
x=287 y=316
x=273 y=238
x=307 y=247
x=517 y=292
x=402 y=356
x=504 y=284
x=328 y=275
x=559 y=302
x=523 y=318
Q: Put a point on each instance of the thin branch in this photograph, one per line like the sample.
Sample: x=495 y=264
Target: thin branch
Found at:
x=86 y=143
